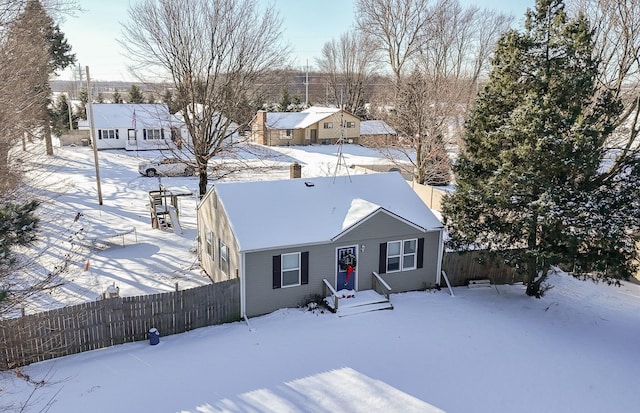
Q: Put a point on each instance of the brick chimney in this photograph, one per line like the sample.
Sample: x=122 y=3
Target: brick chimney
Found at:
x=260 y=128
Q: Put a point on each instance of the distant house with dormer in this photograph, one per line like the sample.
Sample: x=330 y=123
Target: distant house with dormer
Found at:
x=314 y=125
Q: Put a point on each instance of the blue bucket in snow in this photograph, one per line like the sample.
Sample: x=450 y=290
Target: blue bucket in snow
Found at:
x=154 y=337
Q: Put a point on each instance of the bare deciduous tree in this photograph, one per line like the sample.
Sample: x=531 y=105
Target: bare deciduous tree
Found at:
x=617 y=38
x=215 y=53
x=349 y=62
x=23 y=91
x=397 y=26
x=431 y=102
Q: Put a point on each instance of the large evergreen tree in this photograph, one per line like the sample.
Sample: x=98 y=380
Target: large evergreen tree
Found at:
x=533 y=181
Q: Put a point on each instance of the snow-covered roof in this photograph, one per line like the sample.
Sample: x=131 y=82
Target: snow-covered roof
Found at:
x=299 y=120
x=375 y=127
x=316 y=210
x=321 y=109
x=120 y=115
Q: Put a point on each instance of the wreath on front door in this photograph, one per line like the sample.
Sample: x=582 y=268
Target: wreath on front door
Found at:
x=347 y=260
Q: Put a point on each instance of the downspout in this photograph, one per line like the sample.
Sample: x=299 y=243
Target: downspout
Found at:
x=440 y=253
x=243 y=304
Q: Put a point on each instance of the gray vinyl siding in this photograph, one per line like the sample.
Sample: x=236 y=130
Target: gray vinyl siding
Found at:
x=379 y=225
x=419 y=278
x=262 y=298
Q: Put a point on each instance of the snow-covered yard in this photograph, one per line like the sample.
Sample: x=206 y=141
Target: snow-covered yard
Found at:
x=147 y=260
x=484 y=350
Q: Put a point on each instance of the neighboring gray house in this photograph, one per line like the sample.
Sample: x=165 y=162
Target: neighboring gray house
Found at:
x=289 y=240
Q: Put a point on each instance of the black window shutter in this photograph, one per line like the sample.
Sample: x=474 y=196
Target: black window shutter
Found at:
x=276 y=271
x=144 y=134
x=382 y=262
x=99 y=133
x=162 y=133
x=420 y=252
x=304 y=267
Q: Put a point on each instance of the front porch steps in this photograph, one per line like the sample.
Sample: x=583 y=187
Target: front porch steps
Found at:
x=363 y=302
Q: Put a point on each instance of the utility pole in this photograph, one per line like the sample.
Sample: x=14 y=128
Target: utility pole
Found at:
x=306 y=86
x=92 y=133
x=69 y=111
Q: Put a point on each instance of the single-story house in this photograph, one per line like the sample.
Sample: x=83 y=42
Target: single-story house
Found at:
x=316 y=124
x=179 y=128
x=377 y=132
x=287 y=240
x=131 y=126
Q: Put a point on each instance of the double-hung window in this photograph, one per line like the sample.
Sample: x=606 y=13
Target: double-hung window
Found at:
x=224 y=257
x=291 y=269
x=328 y=125
x=108 y=134
x=209 y=242
x=153 y=134
x=401 y=255
x=350 y=124
x=286 y=134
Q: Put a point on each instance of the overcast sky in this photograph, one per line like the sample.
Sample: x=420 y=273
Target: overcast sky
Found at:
x=307 y=26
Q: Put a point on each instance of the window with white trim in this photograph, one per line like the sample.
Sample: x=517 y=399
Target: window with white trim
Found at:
x=209 y=244
x=290 y=269
x=286 y=134
x=350 y=124
x=401 y=255
x=108 y=134
x=224 y=257
x=328 y=125
x=153 y=134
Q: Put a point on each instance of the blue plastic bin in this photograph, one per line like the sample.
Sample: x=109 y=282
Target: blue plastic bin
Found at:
x=154 y=337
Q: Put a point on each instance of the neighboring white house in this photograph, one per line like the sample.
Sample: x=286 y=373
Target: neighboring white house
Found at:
x=180 y=129
x=130 y=126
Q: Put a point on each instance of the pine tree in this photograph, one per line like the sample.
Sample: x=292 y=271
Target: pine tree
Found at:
x=117 y=97
x=17 y=227
x=81 y=110
x=59 y=113
x=285 y=100
x=135 y=95
x=531 y=181
x=36 y=30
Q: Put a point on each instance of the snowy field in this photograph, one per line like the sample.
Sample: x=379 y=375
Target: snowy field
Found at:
x=484 y=350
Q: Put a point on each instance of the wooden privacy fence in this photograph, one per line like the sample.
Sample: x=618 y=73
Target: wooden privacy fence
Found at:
x=474 y=265
x=104 y=323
